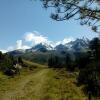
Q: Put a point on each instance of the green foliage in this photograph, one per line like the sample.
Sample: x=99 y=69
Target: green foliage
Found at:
x=69 y=63
x=20 y=61
x=38 y=57
x=90 y=76
x=54 y=61
x=8 y=62
x=82 y=60
x=90 y=73
x=95 y=48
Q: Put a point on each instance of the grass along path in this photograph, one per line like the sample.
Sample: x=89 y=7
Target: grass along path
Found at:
x=30 y=83
x=42 y=84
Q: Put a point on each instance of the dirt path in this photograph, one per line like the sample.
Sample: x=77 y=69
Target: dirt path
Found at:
x=29 y=86
x=43 y=84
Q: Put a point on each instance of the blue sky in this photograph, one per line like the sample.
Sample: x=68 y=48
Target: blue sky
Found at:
x=18 y=17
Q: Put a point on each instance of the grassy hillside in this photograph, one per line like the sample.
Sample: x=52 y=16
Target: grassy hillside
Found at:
x=38 y=82
x=41 y=57
x=37 y=57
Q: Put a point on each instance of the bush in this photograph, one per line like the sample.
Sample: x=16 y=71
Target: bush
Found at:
x=9 y=72
x=54 y=62
x=90 y=77
x=69 y=63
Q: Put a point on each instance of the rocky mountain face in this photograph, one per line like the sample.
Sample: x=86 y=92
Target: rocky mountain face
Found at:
x=42 y=47
x=79 y=45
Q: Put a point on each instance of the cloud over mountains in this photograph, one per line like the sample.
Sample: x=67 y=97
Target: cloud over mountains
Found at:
x=34 y=38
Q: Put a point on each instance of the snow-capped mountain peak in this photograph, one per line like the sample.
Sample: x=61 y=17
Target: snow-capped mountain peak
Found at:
x=43 y=47
x=78 y=45
x=75 y=46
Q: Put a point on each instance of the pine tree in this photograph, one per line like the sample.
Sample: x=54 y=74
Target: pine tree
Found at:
x=20 y=61
x=69 y=62
x=87 y=11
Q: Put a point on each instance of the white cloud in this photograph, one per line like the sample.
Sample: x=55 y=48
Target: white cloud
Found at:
x=64 y=41
x=67 y=40
x=29 y=36
x=35 y=38
x=3 y=51
x=10 y=48
x=18 y=44
x=25 y=47
x=58 y=42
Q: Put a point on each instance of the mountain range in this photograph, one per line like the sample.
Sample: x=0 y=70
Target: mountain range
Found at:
x=78 y=45
x=41 y=52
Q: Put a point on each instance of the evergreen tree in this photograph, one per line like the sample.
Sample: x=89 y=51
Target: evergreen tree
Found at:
x=1 y=55
x=90 y=74
x=50 y=61
x=54 y=61
x=20 y=61
x=69 y=62
x=87 y=11
x=95 y=48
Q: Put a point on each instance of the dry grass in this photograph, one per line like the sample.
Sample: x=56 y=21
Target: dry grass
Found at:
x=40 y=83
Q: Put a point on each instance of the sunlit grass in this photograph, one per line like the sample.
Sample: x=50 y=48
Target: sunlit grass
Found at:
x=41 y=83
